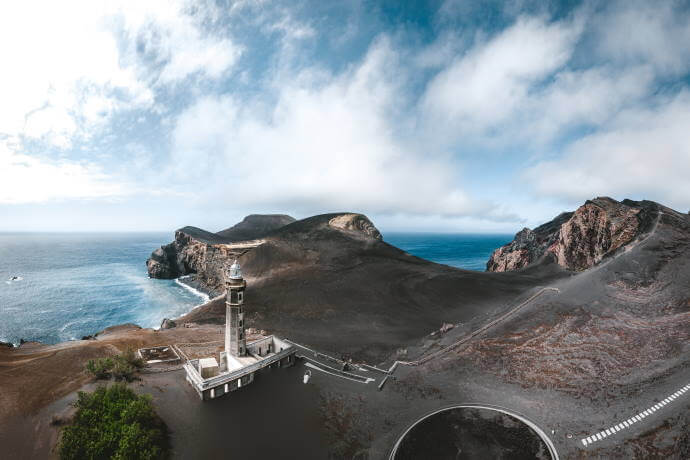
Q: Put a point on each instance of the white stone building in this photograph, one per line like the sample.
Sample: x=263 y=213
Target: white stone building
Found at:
x=240 y=360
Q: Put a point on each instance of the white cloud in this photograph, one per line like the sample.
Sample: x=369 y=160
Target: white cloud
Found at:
x=654 y=33
x=644 y=153
x=484 y=88
x=588 y=101
x=68 y=67
x=27 y=179
x=329 y=142
x=173 y=37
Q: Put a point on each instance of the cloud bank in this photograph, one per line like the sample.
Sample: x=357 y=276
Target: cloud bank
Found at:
x=306 y=107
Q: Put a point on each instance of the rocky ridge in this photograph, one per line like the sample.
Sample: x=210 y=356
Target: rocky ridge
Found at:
x=578 y=240
x=206 y=254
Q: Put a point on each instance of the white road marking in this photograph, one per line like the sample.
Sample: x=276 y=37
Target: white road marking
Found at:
x=635 y=418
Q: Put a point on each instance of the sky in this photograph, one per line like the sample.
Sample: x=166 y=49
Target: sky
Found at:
x=440 y=116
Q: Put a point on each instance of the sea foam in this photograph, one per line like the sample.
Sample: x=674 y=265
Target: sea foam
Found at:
x=205 y=297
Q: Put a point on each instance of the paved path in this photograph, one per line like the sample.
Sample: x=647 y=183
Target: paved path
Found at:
x=324 y=363
x=474 y=334
x=634 y=419
x=321 y=358
x=337 y=373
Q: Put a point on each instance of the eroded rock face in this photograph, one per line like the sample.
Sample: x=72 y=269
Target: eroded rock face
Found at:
x=515 y=255
x=206 y=254
x=182 y=256
x=578 y=240
x=356 y=223
x=527 y=247
x=596 y=229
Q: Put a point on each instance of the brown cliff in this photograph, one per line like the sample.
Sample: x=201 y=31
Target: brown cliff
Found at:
x=197 y=251
x=268 y=237
x=581 y=239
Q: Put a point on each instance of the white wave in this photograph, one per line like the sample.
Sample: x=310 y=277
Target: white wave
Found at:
x=196 y=292
x=72 y=323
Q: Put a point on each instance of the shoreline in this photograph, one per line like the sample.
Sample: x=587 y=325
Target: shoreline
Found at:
x=187 y=282
x=190 y=283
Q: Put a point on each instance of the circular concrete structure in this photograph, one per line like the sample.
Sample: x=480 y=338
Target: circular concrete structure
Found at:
x=533 y=426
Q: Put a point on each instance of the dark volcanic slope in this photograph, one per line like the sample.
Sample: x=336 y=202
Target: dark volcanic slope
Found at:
x=331 y=282
x=255 y=226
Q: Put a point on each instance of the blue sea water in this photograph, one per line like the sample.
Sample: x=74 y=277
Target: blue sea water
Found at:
x=77 y=284
x=468 y=251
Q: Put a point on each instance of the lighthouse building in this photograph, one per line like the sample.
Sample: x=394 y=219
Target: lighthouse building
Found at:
x=239 y=362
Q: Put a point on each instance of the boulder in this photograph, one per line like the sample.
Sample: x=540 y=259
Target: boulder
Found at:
x=168 y=324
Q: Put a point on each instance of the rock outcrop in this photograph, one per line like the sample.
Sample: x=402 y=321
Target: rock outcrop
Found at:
x=194 y=250
x=269 y=242
x=182 y=256
x=357 y=223
x=168 y=324
x=578 y=240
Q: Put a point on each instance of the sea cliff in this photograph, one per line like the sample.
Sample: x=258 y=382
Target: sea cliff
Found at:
x=581 y=239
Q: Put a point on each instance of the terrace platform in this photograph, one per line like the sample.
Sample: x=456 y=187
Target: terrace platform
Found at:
x=238 y=371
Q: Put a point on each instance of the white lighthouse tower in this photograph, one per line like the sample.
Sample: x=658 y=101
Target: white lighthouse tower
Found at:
x=235 y=341
x=240 y=360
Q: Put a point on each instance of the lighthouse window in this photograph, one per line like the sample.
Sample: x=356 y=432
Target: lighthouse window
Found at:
x=239 y=297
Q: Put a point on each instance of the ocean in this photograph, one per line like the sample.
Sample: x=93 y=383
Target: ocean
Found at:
x=72 y=285
x=78 y=284
x=468 y=251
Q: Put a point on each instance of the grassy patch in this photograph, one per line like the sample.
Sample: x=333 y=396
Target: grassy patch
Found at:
x=120 y=367
x=113 y=422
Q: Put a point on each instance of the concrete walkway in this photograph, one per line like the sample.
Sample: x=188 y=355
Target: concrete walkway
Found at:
x=325 y=363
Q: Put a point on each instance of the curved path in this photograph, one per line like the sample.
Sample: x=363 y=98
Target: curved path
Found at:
x=473 y=334
x=522 y=418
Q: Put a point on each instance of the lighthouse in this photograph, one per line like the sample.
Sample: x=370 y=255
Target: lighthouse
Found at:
x=240 y=360
x=235 y=341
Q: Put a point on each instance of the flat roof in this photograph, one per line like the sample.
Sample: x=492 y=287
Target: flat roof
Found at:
x=208 y=362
